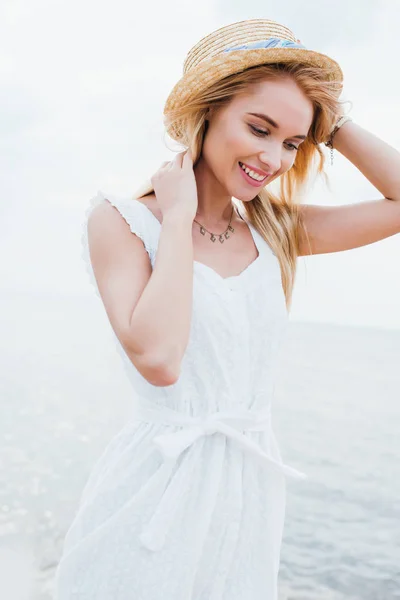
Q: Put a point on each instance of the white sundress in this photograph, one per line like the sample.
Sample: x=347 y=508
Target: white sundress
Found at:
x=187 y=501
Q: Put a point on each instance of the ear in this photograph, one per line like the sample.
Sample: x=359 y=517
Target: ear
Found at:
x=209 y=113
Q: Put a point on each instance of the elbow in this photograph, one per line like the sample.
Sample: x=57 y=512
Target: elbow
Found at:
x=156 y=372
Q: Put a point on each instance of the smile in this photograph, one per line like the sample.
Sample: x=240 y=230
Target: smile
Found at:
x=251 y=177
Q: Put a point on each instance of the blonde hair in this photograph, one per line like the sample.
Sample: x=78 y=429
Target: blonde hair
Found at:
x=275 y=216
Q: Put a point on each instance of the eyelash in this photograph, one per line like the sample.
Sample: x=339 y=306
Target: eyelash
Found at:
x=262 y=132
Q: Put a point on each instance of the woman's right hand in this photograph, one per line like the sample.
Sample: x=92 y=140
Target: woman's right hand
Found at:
x=175 y=186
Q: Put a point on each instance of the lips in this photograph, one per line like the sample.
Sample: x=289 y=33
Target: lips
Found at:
x=258 y=171
x=250 y=180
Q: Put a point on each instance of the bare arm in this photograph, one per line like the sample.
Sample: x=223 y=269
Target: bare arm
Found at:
x=347 y=226
x=162 y=317
x=149 y=310
x=343 y=227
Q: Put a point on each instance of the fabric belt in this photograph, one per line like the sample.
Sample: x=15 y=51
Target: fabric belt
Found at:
x=230 y=423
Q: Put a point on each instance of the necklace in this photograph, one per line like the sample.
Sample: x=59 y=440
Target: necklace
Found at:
x=221 y=236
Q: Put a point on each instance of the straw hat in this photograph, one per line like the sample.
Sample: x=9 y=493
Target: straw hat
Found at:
x=237 y=47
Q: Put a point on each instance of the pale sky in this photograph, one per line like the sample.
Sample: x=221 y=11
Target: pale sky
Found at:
x=83 y=85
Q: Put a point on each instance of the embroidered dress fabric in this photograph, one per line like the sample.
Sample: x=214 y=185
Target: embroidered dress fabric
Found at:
x=187 y=501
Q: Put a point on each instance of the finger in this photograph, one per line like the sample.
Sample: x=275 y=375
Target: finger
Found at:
x=164 y=167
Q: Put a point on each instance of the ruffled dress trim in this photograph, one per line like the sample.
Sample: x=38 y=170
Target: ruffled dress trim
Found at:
x=132 y=212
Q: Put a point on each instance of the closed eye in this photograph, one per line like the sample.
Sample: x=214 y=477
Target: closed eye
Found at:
x=261 y=133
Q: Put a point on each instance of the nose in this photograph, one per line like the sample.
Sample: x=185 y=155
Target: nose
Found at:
x=271 y=162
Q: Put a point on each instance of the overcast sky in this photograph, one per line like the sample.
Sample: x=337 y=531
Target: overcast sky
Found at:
x=83 y=85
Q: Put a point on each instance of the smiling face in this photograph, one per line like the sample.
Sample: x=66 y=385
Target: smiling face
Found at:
x=235 y=136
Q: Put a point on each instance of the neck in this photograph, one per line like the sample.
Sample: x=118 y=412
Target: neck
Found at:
x=214 y=204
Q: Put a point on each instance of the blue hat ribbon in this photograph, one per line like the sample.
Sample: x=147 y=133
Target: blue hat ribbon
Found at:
x=270 y=43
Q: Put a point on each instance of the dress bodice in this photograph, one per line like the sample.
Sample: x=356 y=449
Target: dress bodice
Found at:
x=237 y=326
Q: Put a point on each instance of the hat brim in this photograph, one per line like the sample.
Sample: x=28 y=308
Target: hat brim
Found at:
x=217 y=67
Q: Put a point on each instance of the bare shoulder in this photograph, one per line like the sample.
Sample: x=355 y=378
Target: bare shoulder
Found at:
x=150 y=201
x=101 y=213
x=106 y=225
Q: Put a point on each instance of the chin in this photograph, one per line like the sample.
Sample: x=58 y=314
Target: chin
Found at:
x=247 y=198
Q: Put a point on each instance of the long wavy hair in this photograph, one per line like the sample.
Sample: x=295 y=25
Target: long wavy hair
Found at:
x=276 y=216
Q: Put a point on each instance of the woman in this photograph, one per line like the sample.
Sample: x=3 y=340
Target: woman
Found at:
x=187 y=502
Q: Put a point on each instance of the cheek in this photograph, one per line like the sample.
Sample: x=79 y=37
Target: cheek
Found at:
x=287 y=164
x=238 y=141
x=221 y=145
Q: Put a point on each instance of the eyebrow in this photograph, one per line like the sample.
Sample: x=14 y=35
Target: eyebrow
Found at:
x=271 y=122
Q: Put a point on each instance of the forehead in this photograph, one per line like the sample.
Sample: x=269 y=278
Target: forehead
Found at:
x=282 y=100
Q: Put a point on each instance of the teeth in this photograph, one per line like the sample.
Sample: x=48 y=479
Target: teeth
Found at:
x=252 y=174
